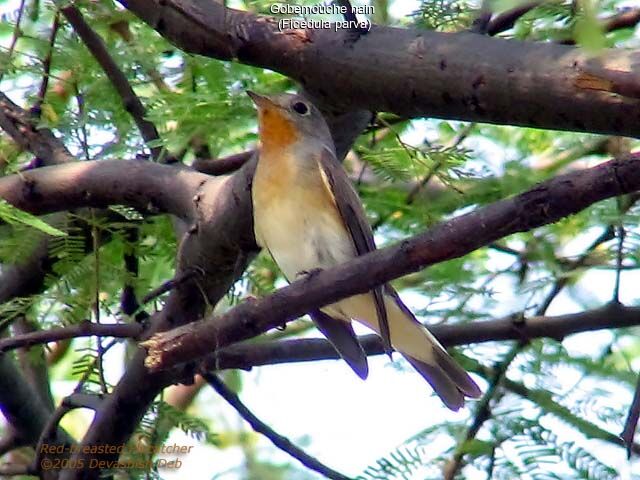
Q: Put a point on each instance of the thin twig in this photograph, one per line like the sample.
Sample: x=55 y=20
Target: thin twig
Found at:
x=95 y=238
x=129 y=304
x=168 y=285
x=483 y=411
x=17 y=33
x=131 y=102
x=83 y=329
x=620 y=234
x=46 y=66
x=631 y=423
x=626 y=19
x=457 y=140
x=561 y=282
x=507 y=20
x=415 y=190
x=259 y=426
x=84 y=135
x=71 y=402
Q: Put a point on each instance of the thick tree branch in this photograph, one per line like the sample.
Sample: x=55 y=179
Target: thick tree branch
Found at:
x=24 y=409
x=543 y=204
x=411 y=72
x=33 y=364
x=143 y=185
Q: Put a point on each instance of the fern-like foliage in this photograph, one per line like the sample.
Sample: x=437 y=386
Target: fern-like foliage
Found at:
x=442 y=15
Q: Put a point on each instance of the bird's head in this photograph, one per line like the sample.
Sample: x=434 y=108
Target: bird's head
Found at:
x=285 y=119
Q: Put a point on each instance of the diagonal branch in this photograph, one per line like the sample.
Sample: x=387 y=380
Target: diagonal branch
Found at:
x=20 y=125
x=507 y=20
x=543 y=204
x=625 y=19
x=131 y=102
x=259 y=426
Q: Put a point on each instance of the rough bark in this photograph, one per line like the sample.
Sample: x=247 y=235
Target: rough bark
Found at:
x=414 y=73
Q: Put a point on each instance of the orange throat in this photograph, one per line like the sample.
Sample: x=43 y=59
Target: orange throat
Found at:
x=276 y=131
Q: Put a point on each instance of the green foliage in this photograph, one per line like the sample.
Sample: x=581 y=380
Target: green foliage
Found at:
x=446 y=15
x=588 y=30
x=411 y=174
x=192 y=426
x=15 y=216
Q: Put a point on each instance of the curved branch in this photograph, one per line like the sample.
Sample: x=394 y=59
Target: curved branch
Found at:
x=507 y=20
x=143 y=185
x=545 y=203
x=412 y=72
x=283 y=443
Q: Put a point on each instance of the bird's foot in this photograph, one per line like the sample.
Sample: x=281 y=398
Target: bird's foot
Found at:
x=308 y=273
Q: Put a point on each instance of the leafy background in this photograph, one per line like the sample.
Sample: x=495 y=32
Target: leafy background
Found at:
x=559 y=405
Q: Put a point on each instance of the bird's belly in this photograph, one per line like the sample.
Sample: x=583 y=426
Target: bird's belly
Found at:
x=302 y=237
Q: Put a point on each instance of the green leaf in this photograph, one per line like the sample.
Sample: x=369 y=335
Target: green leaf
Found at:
x=588 y=30
x=13 y=215
x=477 y=447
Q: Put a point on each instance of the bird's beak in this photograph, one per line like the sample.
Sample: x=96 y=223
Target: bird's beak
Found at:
x=260 y=100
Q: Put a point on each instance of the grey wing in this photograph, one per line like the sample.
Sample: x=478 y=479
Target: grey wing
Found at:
x=355 y=220
x=344 y=340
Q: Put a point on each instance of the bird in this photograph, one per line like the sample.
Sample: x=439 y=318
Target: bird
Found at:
x=308 y=216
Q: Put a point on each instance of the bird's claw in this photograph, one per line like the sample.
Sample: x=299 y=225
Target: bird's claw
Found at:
x=308 y=273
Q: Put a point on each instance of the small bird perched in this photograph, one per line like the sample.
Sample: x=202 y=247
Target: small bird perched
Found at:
x=308 y=216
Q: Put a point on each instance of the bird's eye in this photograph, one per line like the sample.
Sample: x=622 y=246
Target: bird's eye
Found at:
x=300 y=108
